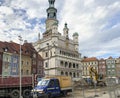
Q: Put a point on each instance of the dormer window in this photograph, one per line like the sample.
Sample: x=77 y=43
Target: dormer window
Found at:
x=5 y=49
x=26 y=51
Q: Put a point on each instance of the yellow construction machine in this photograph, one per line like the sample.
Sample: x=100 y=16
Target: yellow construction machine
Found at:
x=94 y=77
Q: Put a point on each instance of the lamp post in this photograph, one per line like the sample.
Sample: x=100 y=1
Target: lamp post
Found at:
x=20 y=39
x=48 y=58
x=83 y=92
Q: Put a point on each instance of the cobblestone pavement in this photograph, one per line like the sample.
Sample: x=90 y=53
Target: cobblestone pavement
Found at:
x=102 y=92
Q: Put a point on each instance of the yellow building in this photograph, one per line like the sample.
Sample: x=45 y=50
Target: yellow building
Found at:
x=86 y=64
x=26 y=64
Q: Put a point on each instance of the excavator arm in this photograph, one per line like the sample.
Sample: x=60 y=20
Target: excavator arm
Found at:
x=94 y=76
x=93 y=73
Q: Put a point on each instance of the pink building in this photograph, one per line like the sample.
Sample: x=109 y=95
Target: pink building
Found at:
x=102 y=68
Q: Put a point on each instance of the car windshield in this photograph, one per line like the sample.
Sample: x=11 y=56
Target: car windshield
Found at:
x=43 y=82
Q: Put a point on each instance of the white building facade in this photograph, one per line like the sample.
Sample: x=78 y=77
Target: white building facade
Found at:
x=60 y=53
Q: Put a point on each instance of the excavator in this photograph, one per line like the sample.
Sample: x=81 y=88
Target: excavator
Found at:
x=94 y=77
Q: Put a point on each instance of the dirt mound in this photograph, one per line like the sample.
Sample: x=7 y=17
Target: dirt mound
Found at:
x=80 y=83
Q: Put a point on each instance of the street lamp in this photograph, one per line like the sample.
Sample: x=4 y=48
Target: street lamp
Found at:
x=20 y=39
x=48 y=58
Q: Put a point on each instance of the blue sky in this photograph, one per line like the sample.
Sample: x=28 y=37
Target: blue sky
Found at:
x=96 y=21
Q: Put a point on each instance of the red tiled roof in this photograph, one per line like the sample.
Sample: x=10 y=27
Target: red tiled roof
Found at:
x=30 y=47
x=90 y=59
x=13 y=47
x=1 y=46
x=5 y=45
x=16 y=47
x=27 y=49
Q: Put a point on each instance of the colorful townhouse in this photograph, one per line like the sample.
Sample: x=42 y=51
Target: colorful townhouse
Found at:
x=10 y=59
x=86 y=64
x=102 y=68
x=118 y=68
x=111 y=67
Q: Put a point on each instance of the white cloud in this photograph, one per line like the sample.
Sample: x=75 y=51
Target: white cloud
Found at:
x=4 y=9
x=96 y=22
x=88 y=2
x=89 y=23
x=100 y=12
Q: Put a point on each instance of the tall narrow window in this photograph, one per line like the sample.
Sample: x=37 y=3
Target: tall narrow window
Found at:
x=27 y=63
x=66 y=64
x=69 y=65
x=62 y=73
x=66 y=73
x=73 y=65
x=74 y=75
x=46 y=64
x=27 y=72
x=70 y=74
x=22 y=71
x=77 y=65
x=46 y=54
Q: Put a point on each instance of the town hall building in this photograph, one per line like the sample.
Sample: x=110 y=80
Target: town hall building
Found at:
x=60 y=53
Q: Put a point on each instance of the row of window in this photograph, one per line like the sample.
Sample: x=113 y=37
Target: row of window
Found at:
x=48 y=54
x=111 y=72
x=28 y=63
x=65 y=64
x=87 y=68
x=24 y=63
x=90 y=63
x=111 y=66
x=85 y=73
x=100 y=67
x=70 y=74
x=69 y=54
x=25 y=72
x=68 y=65
x=110 y=62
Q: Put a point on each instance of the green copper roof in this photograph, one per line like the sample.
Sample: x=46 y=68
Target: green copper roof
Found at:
x=75 y=34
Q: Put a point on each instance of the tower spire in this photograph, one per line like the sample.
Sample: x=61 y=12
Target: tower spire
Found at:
x=51 y=3
x=66 y=31
x=51 y=15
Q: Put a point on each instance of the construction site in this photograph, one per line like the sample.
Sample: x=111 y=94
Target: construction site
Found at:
x=82 y=90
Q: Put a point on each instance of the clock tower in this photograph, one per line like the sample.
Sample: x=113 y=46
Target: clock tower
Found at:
x=60 y=52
